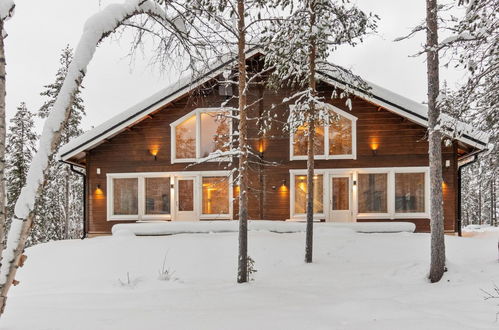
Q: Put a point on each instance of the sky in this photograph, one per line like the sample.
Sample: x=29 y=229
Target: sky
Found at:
x=41 y=29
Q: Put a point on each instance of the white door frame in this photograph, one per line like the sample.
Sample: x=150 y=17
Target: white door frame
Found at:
x=343 y=215
x=186 y=215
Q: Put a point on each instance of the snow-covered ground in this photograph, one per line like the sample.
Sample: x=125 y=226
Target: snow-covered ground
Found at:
x=358 y=281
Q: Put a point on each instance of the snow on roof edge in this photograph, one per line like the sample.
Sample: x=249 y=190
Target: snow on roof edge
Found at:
x=185 y=83
x=393 y=101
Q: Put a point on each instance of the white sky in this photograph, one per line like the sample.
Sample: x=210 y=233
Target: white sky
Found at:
x=40 y=29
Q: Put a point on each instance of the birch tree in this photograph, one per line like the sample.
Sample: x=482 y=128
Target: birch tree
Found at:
x=97 y=28
x=6 y=12
x=299 y=46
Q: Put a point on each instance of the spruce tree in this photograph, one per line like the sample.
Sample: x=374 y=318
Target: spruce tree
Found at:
x=60 y=207
x=21 y=145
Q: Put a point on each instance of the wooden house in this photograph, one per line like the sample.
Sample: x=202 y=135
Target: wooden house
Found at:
x=152 y=162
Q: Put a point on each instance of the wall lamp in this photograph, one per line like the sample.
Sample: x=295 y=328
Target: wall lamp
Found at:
x=154 y=152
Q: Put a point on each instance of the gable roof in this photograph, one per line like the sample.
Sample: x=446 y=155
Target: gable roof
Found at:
x=380 y=96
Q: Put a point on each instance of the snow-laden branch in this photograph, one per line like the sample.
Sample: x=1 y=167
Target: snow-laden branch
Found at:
x=95 y=30
x=6 y=9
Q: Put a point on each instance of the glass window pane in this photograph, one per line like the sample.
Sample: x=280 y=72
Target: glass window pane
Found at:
x=185 y=139
x=373 y=193
x=214 y=132
x=157 y=195
x=301 y=194
x=409 y=192
x=215 y=195
x=125 y=196
x=300 y=141
x=186 y=195
x=340 y=137
x=341 y=194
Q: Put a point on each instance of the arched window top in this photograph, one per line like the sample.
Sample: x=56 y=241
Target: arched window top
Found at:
x=201 y=134
x=335 y=141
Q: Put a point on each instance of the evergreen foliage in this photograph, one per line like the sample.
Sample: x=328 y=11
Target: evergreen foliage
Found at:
x=59 y=209
x=21 y=145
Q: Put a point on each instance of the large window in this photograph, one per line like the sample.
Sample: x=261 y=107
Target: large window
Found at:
x=125 y=196
x=215 y=193
x=340 y=136
x=134 y=196
x=409 y=192
x=300 y=143
x=373 y=191
x=185 y=138
x=201 y=134
x=393 y=193
x=336 y=141
x=157 y=195
x=169 y=195
x=300 y=189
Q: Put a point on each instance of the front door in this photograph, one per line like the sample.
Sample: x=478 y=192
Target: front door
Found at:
x=185 y=199
x=341 y=199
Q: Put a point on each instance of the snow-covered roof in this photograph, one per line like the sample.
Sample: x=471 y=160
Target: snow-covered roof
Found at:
x=389 y=100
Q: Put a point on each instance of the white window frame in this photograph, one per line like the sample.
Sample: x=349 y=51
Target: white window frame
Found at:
x=326 y=154
x=409 y=215
x=141 y=216
x=317 y=216
x=196 y=112
x=203 y=216
x=354 y=172
x=141 y=198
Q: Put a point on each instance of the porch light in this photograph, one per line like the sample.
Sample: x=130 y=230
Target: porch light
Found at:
x=154 y=152
x=98 y=191
x=374 y=148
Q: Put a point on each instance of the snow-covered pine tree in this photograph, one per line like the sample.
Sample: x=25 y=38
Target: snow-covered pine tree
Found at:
x=20 y=148
x=475 y=44
x=60 y=207
x=298 y=46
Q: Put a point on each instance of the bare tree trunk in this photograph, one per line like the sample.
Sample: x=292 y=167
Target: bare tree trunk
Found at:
x=242 y=270
x=2 y=136
x=479 y=202
x=66 y=203
x=437 y=266
x=12 y=257
x=311 y=139
x=309 y=239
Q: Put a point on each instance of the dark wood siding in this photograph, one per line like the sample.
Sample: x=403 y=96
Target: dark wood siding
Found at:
x=401 y=143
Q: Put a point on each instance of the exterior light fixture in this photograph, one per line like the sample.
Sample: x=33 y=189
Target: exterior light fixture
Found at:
x=154 y=152
x=283 y=182
x=98 y=187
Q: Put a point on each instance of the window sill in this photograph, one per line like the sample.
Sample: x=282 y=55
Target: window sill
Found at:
x=330 y=157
